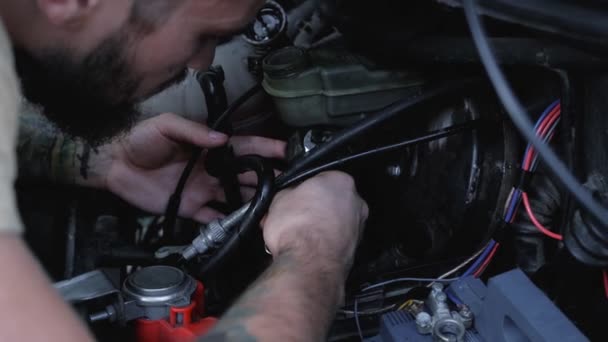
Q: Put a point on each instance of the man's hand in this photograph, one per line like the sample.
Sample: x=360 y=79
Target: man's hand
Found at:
x=144 y=167
x=322 y=218
x=312 y=232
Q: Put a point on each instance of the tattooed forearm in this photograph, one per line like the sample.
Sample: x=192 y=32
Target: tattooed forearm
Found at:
x=234 y=333
x=293 y=300
x=232 y=327
x=44 y=153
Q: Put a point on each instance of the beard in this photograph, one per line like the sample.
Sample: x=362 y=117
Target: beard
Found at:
x=93 y=99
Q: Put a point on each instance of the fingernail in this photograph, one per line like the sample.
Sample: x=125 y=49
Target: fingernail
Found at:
x=213 y=135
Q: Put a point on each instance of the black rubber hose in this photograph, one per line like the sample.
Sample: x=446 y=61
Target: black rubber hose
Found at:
x=293 y=174
x=364 y=126
x=212 y=84
x=176 y=198
x=218 y=159
x=259 y=206
x=337 y=141
x=264 y=194
x=435 y=135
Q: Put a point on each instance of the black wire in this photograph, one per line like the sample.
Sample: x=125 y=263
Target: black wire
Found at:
x=236 y=105
x=176 y=198
x=259 y=206
x=522 y=122
x=336 y=142
x=265 y=189
x=317 y=154
x=353 y=132
x=435 y=135
x=292 y=175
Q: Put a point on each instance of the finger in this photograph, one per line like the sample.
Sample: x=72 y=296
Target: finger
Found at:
x=251 y=179
x=247 y=193
x=182 y=130
x=248 y=178
x=264 y=147
x=220 y=195
x=206 y=215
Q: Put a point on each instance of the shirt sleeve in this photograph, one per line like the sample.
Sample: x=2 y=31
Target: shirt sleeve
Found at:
x=9 y=104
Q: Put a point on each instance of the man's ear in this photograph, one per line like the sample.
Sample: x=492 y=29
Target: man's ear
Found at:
x=67 y=13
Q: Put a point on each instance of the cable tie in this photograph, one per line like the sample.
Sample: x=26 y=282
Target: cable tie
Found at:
x=500 y=232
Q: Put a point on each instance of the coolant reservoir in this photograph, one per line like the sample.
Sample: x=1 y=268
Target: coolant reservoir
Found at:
x=331 y=87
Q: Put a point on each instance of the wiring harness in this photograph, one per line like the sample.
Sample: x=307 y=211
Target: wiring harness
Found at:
x=518 y=115
x=545 y=128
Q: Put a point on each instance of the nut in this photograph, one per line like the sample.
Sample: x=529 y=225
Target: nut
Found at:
x=465 y=312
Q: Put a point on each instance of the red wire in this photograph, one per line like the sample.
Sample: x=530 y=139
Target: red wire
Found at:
x=486 y=262
x=537 y=224
x=515 y=211
x=541 y=132
x=605 y=277
x=549 y=120
x=528 y=160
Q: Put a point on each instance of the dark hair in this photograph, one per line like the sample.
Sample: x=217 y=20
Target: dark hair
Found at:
x=147 y=15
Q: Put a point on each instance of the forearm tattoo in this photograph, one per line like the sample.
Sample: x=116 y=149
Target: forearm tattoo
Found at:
x=290 y=301
x=233 y=326
x=44 y=153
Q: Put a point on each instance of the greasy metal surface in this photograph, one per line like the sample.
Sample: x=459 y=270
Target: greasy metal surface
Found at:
x=85 y=287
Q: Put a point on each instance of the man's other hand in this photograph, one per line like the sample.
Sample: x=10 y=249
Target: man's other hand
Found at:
x=143 y=167
x=321 y=221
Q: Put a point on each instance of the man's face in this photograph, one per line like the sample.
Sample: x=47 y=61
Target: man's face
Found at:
x=93 y=93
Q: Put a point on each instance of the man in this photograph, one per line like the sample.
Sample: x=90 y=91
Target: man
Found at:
x=87 y=62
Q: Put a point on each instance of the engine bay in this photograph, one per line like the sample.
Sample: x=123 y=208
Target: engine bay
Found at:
x=395 y=94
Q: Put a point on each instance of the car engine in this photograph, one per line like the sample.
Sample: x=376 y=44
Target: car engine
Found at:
x=473 y=129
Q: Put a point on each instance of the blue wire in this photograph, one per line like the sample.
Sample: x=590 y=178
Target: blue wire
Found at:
x=544 y=115
x=547 y=137
x=542 y=118
x=512 y=205
x=453 y=297
x=479 y=260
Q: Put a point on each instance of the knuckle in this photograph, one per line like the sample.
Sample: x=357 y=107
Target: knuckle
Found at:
x=340 y=179
x=346 y=179
x=165 y=116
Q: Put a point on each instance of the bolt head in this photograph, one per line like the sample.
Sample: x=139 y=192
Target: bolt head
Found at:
x=423 y=319
x=424 y=323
